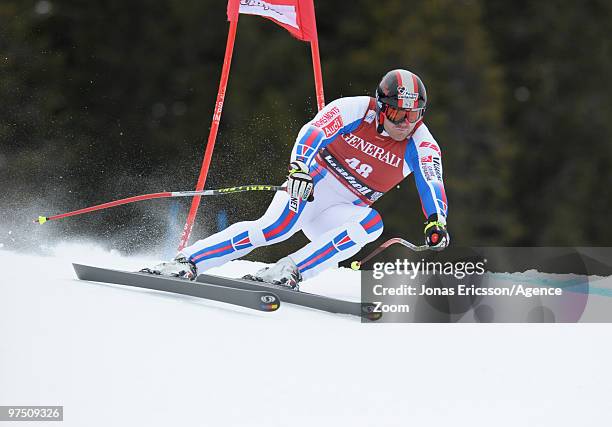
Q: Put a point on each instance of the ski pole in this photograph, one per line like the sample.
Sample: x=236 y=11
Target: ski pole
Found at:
x=356 y=265
x=219 y=191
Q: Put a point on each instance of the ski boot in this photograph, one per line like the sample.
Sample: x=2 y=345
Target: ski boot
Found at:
x=179 y=267
x=284 y=273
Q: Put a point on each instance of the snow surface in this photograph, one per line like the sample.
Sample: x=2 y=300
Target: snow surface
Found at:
x=119 y=357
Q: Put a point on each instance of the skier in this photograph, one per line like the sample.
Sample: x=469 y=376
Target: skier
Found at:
x=352 y=152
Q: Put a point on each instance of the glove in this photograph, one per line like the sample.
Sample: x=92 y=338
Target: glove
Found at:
x=299 y=182
x=436 y=236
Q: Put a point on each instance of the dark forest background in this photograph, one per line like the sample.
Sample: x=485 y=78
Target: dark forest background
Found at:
x=103 y=100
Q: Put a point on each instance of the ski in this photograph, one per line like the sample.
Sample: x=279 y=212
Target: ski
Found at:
x=256 y=299
x=304 y=299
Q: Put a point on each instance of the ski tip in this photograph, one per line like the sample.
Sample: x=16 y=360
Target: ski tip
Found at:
x=355 y=265
x=79 y=270
x=41 y=220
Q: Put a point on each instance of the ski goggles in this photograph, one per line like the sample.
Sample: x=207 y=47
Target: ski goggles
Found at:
x=399 y=115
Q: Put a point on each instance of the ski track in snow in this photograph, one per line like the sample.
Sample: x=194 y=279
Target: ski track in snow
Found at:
x=123 y=357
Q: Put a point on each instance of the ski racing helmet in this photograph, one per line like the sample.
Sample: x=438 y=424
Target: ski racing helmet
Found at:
x=400 y=96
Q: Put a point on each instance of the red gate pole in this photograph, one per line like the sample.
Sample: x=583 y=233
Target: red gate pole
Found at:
x=212 y=136
x=316 y=66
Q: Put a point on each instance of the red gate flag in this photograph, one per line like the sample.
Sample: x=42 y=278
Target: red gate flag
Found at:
x=296 y=16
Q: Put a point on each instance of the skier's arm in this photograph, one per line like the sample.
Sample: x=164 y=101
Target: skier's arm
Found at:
x=340 y=116
x=424 y=158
